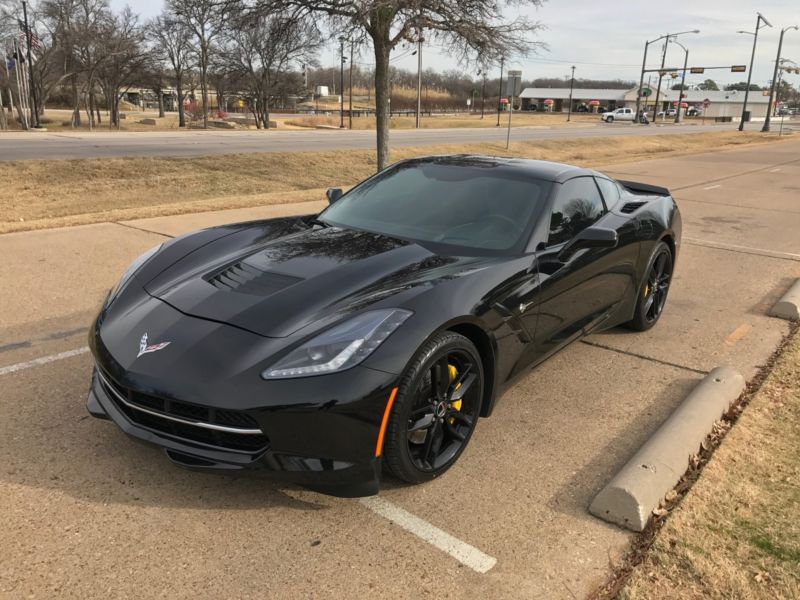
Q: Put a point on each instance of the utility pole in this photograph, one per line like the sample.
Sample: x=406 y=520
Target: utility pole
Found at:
x=419 y=78
x=350 y=111
x=500 y=92
x=772 y=87
x=512 y=79
x=571 y=87
x=644 y=67
x=483 y=93
x=660 y=76
x=750 y=72
x=28 y=41
x=341 y=82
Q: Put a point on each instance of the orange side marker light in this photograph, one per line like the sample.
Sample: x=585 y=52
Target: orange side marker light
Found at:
x=384 y=422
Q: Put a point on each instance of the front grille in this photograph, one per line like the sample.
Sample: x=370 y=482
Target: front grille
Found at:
x=247 y=279
x=216 y=427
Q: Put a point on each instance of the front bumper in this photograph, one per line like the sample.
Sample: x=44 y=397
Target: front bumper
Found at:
x=330 y=449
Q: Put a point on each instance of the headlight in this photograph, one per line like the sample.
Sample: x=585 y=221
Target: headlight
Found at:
x=135 y=266
x=340 y=347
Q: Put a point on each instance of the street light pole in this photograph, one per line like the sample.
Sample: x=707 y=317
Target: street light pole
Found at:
x=500 y=91
x=683 y=80
x=341 y=82
x=571 y=87
x=765 y=128
x=750 y=72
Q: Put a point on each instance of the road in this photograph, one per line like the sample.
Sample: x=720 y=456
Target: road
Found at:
x=88 y=513
x=51 y=145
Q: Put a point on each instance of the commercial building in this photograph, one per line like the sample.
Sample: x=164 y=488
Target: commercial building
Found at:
x=721 y=104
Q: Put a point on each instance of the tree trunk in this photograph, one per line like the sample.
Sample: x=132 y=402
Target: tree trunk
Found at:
x=204 y=82
x=76 y=102
x=380 y=40
x=181 y=111
x=160 y=93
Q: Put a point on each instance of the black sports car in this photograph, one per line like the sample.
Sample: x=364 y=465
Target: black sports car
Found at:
x=322 y=348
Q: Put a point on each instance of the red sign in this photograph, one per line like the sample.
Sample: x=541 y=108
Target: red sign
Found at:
x=503 y=100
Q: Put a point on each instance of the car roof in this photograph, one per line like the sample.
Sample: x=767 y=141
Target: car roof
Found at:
x=539 y=169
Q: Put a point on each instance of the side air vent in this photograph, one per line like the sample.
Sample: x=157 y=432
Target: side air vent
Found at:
x=246 y=279
x=631 y=207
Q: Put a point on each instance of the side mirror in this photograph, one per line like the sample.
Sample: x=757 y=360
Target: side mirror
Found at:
x=591 y=237
x=333 y=194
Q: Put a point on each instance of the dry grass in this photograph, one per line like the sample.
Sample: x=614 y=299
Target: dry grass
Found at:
x=737 y=532
x=451 y=121
x=42 y=194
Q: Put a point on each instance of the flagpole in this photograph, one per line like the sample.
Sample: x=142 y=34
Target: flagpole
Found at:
x=4 y=120
x=21 y=108
x=32 y=90
x=8 y=76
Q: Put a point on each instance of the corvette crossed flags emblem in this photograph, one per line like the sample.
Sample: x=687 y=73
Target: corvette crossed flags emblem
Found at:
x=145 y=349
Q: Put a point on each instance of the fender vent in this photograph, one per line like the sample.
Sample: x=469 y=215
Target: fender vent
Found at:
x=247 y=279
x=631 y=207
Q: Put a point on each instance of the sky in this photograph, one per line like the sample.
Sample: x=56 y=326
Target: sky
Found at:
x=605 y=39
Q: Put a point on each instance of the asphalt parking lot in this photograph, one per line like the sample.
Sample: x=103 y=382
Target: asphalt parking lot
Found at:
x=86 y=512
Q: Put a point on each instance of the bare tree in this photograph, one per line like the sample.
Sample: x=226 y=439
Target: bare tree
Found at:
x=470 y=27
x=171 y=39
x=205 y=19
x=125 y=60
x=262 y=47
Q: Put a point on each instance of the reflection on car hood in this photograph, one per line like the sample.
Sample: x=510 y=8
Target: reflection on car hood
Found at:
x=276 y=287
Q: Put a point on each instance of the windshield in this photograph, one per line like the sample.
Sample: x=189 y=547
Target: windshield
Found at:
x=481 y=204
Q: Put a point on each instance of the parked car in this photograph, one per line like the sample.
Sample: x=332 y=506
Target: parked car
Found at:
x=323 y=348
x=672 y=112
x=694 y=111
x=620 y=114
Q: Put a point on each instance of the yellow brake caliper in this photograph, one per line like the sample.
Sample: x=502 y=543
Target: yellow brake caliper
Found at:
x=453 y=373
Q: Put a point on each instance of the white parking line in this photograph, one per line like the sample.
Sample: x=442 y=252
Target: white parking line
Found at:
x=775 y=170
x=711 y=187
x=745 y=249
x=464 y=553
x=43 y=360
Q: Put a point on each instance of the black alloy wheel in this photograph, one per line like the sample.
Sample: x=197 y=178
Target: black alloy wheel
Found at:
x=436 y=409
x=653 y=294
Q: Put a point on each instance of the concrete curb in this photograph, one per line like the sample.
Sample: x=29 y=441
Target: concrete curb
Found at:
x=788 y=307
x=630 y=497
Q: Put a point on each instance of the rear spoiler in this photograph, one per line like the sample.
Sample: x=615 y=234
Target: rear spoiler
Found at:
x=644 y=188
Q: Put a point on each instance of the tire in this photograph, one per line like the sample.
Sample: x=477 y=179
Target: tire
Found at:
x=652 y=294
x=417 y=401
x=609 y=119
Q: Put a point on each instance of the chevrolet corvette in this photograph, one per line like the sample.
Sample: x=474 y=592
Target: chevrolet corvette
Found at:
x=328 y=349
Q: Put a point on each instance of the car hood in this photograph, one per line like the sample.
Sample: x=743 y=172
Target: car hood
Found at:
x=296 y=278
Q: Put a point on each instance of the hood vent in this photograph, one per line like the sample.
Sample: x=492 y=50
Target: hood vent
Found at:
x=247 y=279
x=631 y=207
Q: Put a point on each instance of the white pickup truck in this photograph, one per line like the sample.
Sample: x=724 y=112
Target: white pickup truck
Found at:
x=621 y=114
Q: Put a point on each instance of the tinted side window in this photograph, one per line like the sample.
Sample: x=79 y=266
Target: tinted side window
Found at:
x=610 y=191
x=577 y=206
